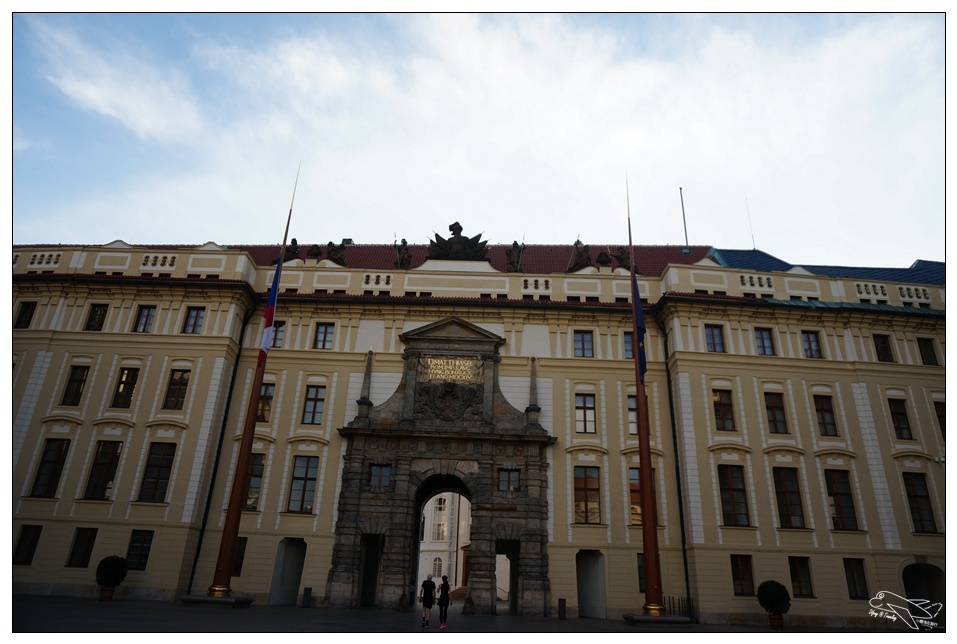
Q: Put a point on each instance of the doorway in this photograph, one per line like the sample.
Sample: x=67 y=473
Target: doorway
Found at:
x=287 y=572
x=370 y=557
x=590 y=572
x=926 y=581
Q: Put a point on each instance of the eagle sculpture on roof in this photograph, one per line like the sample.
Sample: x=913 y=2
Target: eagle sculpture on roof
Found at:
x=458 y=246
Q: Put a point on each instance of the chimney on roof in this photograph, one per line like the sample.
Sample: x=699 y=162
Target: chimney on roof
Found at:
x=347 y=241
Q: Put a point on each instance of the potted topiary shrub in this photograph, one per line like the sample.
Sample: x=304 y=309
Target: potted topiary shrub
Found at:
x=110 y=572
x=776 y=600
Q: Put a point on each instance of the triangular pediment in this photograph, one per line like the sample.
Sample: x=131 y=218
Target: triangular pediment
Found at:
x=451 y=328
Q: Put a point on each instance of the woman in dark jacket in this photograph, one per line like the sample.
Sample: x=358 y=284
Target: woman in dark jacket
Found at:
x=444 y=601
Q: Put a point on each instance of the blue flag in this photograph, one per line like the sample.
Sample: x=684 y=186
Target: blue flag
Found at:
x=639 y=342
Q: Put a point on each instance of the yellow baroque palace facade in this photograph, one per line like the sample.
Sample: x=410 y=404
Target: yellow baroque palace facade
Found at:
x=796 y=418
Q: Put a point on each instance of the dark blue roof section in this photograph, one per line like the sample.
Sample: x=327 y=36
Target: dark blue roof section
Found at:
x=920 y=272
x=754 y=260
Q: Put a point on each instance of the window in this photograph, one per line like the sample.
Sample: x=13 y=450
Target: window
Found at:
x=26 y=544
x=714 y=338
x=633 y=415
x=437 y=567
x=899 y=419
x=742 y=575
x=928 y=355
x=74 y=386
x=734 y=497
x=723 y=410
x=439 y=519
x=824 y=408
x=138 y=552
x=324 y=335
x=96 y=318
x=144 y=319
x=764 y=343
x=315 y=400
x=801 y=576
x=812 y=344
x=634 y=495
x=278 y=333
x=82 y=548
x=939 y=407
x=882 y=346
x=302 y=491
x=105 y=461
x=51 y=466
x=508 y=480
x=587 y=506
x=641 y=572
x=125 y=384
x=241 y=543
x=265 y=402
x=788 y=494
x=918 y=497
x=194 y=319
x=583 y=344
x=629 y=351
x=843 y=516
x=159 y=466
x=176 y=389
x=380 y=476
x=25 y=315
x=856 y=581
x=254 y=481
x=585 y=413
x=774 y=403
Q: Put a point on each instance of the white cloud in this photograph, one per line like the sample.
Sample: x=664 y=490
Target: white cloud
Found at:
x=153 y=102
x=525 y=127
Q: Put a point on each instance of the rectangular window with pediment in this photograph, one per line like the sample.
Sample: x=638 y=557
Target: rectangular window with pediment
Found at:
x=734 y=495
x=587 y=495
x=585 y=422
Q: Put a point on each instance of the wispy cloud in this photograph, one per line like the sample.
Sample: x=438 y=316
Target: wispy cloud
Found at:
x=155 y=103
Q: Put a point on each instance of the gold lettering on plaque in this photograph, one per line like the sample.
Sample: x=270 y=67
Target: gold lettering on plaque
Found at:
x=449 y=369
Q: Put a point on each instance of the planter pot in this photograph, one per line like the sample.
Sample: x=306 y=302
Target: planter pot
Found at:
x=776 y=621
x=106 y=593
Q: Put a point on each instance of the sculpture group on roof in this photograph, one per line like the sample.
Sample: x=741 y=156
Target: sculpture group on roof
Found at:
x=458 y=246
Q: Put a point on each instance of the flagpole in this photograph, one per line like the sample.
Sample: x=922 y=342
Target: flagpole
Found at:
x=649 y=514
x=226 y=559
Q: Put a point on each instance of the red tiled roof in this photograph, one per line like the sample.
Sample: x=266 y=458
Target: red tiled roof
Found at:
x=536 y=258
x=541 y=258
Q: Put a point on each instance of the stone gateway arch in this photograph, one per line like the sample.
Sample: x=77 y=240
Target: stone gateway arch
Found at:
x=447 y=427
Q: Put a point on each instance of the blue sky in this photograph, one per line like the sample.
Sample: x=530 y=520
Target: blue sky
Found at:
x=820 y=136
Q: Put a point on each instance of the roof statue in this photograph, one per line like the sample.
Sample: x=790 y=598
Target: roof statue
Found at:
x=514 y=257
x=336 y=254
x=403 y=256
x=457 y=246
x=582 y=258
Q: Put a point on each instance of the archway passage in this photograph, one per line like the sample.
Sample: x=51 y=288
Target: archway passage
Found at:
x=444 y=508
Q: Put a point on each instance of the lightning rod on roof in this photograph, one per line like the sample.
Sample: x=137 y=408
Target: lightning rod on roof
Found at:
x=686 y=249
x=750 y=225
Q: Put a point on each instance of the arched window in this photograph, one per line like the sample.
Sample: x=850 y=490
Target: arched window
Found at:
x=437 y=567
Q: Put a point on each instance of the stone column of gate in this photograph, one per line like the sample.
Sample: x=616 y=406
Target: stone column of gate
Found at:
x=535 y=590
x=342 y=584
x=395 y=575
x=482 y=562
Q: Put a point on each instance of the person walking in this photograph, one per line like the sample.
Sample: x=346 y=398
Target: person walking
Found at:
x=444 y=601
x=427 y=597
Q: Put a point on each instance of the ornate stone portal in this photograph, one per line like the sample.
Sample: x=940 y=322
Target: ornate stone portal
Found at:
x=447 y=427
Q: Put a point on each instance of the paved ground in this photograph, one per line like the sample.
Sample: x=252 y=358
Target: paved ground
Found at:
x=45 y=614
